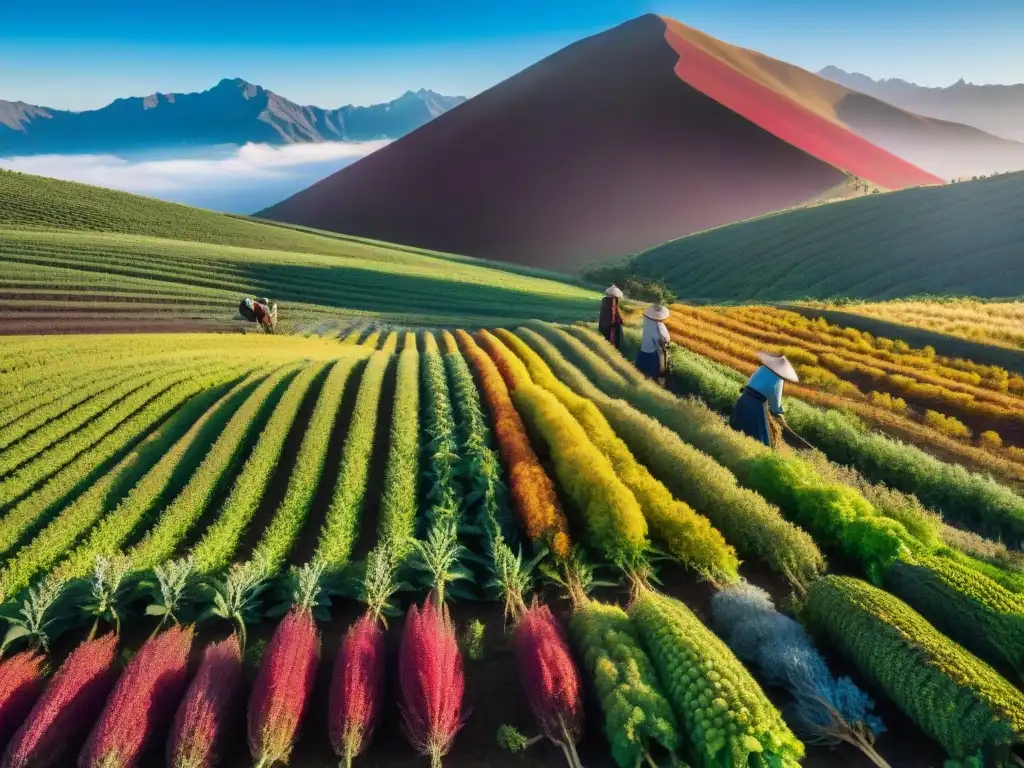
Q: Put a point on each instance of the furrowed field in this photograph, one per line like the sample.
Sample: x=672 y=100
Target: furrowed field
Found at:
x=328 y=549
x=105 y=261
x=989 y=322
x=952 y=407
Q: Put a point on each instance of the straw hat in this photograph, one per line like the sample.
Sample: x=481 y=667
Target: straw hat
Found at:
x=779 y=365
x=614 y=292
x=656 y=312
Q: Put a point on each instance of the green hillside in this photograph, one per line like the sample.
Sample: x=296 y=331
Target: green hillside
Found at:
x=965 y=238
x=106 y=254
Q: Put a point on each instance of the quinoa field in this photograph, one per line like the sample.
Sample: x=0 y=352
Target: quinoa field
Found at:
x=500 y=547
x=459 y=528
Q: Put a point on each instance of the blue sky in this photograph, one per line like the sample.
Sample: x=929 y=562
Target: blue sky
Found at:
x=79 y=55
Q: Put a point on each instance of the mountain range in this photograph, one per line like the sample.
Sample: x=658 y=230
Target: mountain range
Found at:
x=232 y=112
x=997 y=109
x=640 y=134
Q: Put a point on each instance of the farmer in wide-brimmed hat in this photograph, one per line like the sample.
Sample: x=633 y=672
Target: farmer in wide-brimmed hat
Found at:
x=609 y=322
x=653 y=343
x=760 y=404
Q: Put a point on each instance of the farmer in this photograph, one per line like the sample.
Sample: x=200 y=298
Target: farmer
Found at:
x=651 y=359
x=759 y=410
x=610 y=320
x=261 y=312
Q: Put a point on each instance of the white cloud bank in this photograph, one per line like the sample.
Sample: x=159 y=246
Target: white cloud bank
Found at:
x=238 y=179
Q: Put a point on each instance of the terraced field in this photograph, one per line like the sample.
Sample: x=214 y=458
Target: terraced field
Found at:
x=952 y=407
x=998 y=323
x=103 y=261
x=222 y=481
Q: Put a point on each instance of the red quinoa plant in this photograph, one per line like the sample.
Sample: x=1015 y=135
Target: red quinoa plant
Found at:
x=204 y=714
x=22 y=678
x=357 y=683
x=546 y=667
x=63 y=715
x=23 y=675
x=286 y=675
x=142 y=702
x=430 y=662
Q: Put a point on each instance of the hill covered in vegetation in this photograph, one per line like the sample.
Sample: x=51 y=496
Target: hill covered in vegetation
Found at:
x=77 y=256
x=960 y=238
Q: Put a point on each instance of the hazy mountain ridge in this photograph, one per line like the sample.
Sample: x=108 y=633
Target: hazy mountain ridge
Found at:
x=996 y=109
x=232 y=112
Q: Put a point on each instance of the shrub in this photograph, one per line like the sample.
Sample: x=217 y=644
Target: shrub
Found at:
x=956 y=699
x=888 y=402
x=990 y=439
x=474 y=640
x=947 y=425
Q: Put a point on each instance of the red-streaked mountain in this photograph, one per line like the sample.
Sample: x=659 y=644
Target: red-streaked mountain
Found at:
x=602 y=149
x=949 y=150
x=232 y=112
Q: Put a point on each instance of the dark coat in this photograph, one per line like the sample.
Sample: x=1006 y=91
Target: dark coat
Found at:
x=609 y=322
x=750 y=416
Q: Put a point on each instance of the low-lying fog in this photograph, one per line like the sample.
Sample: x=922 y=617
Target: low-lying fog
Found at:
x=227 y=178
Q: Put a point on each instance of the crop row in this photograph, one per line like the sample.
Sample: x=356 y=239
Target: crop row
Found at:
x=441 y=491
x=219 y=543
x=627 y=455
x=687 y=536
x=756 y=528
x=56 y=540
x=338 y=535
x=923 y=362
x=819 y=384
x=532 y=492
x=486 y=510
x=945 y=388
x=972 y=500
x=280 y=535
x=401 y=475
x=174 y=520
x=55 y=402
x=881 y=414
x=141 y=411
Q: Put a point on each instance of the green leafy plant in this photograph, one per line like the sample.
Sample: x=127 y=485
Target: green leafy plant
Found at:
x=474 y=640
